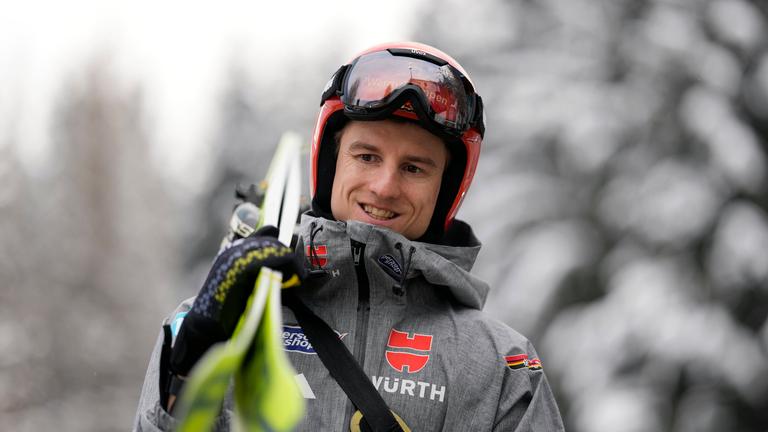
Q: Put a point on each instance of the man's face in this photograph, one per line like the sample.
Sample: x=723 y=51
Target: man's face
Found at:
x=388 y=173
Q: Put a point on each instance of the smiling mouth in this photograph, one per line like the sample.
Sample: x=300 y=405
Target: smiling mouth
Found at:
x=378 y=213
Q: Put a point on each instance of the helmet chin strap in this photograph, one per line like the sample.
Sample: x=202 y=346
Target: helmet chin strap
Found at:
x=449 y=188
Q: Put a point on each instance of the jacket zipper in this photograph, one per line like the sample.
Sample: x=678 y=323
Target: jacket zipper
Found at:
x=363 y=312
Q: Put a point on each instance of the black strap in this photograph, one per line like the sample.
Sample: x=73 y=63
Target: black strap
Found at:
x=342 y=366
x=165 y=373
x=170 y=383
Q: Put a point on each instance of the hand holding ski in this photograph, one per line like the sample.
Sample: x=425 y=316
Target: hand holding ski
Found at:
x=266 y=394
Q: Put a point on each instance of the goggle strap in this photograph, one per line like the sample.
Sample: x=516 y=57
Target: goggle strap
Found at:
x=334 y=86
x=478 y=120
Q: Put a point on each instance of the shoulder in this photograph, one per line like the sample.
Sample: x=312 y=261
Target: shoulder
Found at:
x=501 y=346
x=525 y=398
x=498 y=359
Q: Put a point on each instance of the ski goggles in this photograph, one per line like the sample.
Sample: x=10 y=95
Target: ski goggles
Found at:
x=377 y=84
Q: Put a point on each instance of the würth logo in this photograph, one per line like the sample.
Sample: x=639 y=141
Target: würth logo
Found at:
x=320 y=257
x=410 y=353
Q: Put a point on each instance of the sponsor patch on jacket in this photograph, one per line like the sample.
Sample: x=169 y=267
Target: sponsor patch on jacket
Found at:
x=520 y=361
x=320 y=256
x=534 y=364
x=406 y=387
x=389 y=264
x=295 y=340
x=408 y=353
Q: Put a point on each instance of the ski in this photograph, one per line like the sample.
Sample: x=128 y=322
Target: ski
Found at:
x=267 y=397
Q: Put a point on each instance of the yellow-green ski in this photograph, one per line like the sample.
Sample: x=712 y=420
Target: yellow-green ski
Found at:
x=267 y=397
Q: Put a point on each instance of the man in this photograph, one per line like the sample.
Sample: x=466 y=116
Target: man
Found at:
x=393 y=153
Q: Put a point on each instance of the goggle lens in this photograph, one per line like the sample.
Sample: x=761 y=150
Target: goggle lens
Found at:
x=374 y=80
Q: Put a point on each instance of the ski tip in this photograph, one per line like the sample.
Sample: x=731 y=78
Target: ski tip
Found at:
x=290 y=138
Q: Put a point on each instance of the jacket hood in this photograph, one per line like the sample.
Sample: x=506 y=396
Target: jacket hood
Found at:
x=446 y=265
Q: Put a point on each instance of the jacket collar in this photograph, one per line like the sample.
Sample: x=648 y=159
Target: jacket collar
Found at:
x=447 y=265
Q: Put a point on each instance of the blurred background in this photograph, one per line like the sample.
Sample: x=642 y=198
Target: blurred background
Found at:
x=621 y=194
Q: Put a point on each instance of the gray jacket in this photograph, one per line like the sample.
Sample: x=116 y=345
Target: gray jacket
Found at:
x=410 y=314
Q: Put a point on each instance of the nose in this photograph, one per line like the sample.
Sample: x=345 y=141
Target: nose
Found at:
x=385 y=183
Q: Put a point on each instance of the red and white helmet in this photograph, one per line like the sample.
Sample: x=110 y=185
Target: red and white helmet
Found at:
x=410 y=80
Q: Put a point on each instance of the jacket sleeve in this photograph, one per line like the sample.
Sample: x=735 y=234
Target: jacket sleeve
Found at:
x=527 y=402
x=150 y=415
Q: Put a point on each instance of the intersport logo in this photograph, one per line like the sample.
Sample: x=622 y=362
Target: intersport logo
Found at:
x=408 y=353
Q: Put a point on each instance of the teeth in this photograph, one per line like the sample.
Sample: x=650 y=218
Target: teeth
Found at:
x=377 y=212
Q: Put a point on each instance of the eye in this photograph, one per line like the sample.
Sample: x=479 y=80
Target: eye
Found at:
x=413 y=169
x=364 y=158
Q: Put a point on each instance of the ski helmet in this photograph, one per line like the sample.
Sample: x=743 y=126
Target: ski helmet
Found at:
x=413 y=81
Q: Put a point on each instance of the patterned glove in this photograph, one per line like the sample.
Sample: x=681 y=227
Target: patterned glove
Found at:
x=222 y=299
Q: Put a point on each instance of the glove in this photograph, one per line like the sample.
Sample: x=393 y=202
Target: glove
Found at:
x=222 y=299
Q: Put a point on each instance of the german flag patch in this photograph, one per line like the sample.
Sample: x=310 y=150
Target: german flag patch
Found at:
x=520 y=361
